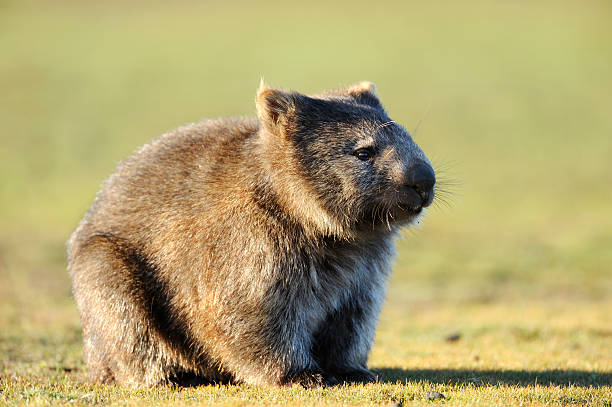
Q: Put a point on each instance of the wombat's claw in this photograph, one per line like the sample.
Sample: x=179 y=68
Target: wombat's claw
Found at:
x=357 y=376
x=310 y=380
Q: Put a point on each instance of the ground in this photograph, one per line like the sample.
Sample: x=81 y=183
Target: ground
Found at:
x=514 y=353
x=501 y=297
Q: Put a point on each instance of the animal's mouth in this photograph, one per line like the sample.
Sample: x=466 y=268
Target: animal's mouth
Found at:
x=404 y=212
x=410 y=208
x=402 y=209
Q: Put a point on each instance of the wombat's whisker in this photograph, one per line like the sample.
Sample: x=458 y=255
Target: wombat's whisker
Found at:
x=416 y=128
x=383 y=125
x=388 y=153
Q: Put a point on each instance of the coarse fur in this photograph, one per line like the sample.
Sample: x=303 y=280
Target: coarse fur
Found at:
x=248 y=250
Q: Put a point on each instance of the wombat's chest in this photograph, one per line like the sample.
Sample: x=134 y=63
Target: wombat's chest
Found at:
x=341 y=283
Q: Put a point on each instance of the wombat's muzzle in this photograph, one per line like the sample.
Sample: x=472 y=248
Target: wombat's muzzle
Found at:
x=419 y=184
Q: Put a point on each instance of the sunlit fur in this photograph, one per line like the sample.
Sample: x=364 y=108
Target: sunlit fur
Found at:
x=246 y=250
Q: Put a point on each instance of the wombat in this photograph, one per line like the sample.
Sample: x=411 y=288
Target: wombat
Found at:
x=249 y=250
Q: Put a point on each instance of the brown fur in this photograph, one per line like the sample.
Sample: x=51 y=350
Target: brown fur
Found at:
x=248 y=250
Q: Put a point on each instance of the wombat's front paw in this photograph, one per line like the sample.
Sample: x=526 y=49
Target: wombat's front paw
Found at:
x=356 y=376
x=310 y=379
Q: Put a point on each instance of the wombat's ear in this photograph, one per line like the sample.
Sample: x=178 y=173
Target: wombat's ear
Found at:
x=275 y=108
x=364 y=92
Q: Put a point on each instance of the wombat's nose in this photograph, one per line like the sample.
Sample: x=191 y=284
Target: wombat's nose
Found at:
x=422 y=179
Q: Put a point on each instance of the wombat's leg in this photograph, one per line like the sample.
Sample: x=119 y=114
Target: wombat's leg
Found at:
x=120 y=339
x=96 y=357
x=343 y=343
x=269 y=344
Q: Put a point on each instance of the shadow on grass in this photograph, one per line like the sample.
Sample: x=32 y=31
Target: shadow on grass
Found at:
x=564 y=378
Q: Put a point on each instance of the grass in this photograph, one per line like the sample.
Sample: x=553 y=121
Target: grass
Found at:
x=539 y=354
x=518 y=98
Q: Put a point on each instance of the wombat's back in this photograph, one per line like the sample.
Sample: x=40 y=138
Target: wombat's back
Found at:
x=174 y=175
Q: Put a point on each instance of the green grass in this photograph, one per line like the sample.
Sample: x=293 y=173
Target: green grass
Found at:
x=537 y=354
x=516 y=99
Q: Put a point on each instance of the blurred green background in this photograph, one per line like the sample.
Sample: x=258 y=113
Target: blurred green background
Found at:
x=515 y=97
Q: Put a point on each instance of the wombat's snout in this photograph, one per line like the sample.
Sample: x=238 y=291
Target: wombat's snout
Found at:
x=421 y=179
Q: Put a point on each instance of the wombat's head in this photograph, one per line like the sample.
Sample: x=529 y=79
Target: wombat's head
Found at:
x=361 y=169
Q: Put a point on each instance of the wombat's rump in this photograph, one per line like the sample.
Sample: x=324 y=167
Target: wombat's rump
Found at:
x=250 y=250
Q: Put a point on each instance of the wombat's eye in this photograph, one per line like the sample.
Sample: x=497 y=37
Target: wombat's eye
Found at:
x=364 y=154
